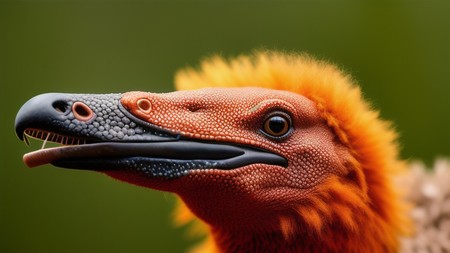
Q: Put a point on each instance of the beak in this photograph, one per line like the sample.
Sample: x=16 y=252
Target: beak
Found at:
x=98 y=133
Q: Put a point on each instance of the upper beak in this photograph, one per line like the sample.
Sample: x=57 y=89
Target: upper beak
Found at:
x=38 y=111
x=85 y=123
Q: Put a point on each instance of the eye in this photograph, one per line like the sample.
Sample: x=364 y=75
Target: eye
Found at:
x=277 y=125
x=144 y=105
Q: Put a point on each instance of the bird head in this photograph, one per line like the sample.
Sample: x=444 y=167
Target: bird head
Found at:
x=266 y=121
x=279 y=143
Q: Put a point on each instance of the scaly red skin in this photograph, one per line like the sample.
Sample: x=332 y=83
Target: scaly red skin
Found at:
x=317 y=204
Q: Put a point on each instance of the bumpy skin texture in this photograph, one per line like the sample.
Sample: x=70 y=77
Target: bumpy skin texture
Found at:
x=336 y=193
x=353 y=207
x=261 y=207
x=334 y=196
x=257 y=192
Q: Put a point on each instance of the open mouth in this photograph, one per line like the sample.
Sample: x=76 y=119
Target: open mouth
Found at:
x=167 y=159
x=138 y=147
x=82 y=154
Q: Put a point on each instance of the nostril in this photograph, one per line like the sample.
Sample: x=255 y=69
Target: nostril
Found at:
x=82 y=112
x=61 y=106
x=194 y=107
x=144 y=105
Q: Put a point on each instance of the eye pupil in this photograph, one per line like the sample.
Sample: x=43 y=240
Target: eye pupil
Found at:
x=277 y=125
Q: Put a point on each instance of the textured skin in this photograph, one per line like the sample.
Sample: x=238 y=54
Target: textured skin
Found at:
x=335 y=195
x=263 y=208
x=231 y=115
x=358 y=211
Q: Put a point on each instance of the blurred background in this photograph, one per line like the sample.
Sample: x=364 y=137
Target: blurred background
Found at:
x=397 y=50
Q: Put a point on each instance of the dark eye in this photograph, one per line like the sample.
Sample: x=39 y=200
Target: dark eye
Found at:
x=277 y=125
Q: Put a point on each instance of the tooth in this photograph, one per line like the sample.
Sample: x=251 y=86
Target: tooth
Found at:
x=25 y=139
x=45 y=141
x=53 y=137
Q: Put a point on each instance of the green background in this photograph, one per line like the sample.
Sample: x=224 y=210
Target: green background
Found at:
x=397 y=50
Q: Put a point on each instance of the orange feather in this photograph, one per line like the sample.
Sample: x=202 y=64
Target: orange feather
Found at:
x=365 y=200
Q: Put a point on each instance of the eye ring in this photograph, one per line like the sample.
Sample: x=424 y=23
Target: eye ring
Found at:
x=144 y=105
x=277 y=125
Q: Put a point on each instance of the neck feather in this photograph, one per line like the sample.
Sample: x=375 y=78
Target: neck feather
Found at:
x=368 y=237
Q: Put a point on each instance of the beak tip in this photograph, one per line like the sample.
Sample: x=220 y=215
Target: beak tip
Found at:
x=35 y=111
x=19 y=130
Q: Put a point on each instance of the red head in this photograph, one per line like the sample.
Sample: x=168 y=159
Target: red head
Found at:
x=256 y=193
x=302 y=164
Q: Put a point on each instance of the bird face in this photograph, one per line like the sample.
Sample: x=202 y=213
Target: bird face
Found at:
x=278 y=122
x=232 y=154
x=307 y=163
